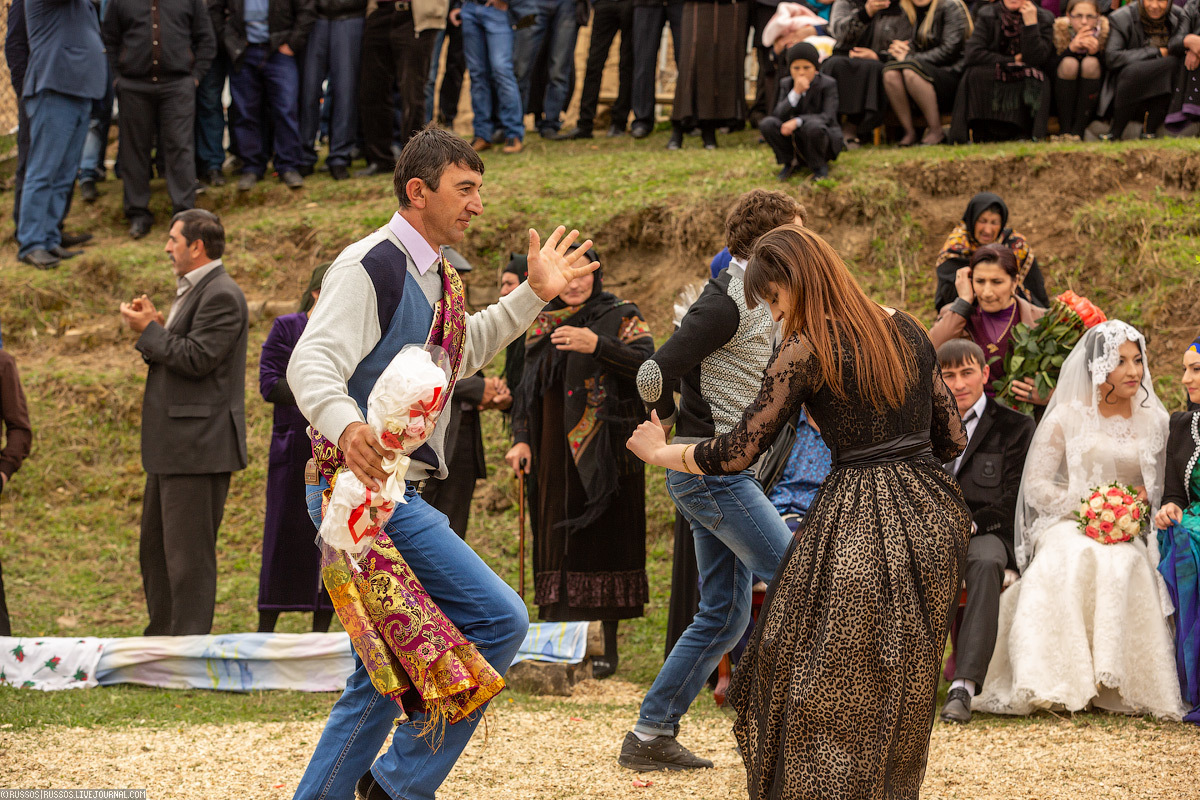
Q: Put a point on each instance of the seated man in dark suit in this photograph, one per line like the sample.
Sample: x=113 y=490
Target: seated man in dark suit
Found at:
x=989 y=472
x=804 y=129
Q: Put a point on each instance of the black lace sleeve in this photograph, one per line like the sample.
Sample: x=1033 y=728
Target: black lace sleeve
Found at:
x=791 y=378
x=946 y=429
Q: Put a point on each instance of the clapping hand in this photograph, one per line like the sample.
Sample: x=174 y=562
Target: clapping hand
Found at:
x=551 y=267
x=139 y=312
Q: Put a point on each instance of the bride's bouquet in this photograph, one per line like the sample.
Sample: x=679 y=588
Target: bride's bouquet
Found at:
x=1039 y=351
x=1112 y=514
x=402 y=410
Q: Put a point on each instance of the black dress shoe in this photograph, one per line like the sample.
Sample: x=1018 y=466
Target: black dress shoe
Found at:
x=615 y=130
x=292 y=179
x=63 y=253
x=604 y=667
x=958 y=707
x=676 y=140
x=786 y=172
x=369 y=170
x=551 y=135
x=139 y=227
x=87 y=191
x=641 y=130
x=42 y=259
x=820 y=172
x=305 y=171
x=578 y=133
x=215 y=178
x=661 y=752
x=368 y=789
x=338 y=172
x=75 y=239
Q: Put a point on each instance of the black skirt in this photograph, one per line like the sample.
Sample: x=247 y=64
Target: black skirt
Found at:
x=986 y=108
x=711 y=86
x=860 y=88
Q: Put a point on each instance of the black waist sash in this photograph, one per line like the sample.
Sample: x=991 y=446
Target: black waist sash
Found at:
x=907 y=446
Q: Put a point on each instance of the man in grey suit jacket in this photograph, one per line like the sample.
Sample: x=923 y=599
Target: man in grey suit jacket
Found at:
x=193 y=424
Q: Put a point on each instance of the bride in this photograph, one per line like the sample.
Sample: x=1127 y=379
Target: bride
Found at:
x=1086 y=624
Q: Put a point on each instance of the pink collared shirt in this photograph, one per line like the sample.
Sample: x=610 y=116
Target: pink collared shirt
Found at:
x=422 y=254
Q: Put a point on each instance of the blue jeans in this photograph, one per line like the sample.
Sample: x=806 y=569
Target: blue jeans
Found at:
x=58 y=124
x=738 y=534
x=91 y=163
x=488 y=47
x=333 y=50
x=485 y=609
x=210 y=116
x=266 y=80
x=556 y=19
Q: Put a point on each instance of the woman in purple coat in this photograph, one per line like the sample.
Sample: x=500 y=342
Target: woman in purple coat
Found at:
x=290 y=579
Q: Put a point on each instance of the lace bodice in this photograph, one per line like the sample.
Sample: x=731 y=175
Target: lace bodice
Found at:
x=793 y=378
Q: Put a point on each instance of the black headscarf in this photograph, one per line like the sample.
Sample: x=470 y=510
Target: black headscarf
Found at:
x=984 y=201
x=314 y=285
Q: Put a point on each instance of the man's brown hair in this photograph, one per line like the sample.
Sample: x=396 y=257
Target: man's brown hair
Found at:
x=427 y=155
x=758 y=212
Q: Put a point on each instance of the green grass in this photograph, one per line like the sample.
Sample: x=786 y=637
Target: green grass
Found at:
x=69 y=519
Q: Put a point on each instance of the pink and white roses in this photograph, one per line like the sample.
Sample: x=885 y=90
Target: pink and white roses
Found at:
x=1112 y=514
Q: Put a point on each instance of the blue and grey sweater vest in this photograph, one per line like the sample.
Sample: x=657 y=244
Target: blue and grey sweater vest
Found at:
x=404 y=318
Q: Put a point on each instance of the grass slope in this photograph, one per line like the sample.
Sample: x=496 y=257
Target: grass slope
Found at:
x=1117 y=223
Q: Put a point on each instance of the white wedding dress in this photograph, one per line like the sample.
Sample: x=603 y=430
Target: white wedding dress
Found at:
x=1086 y=625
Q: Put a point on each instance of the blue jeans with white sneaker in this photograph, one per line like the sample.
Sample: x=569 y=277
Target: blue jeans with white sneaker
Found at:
x=738 y=534
x=485 y=609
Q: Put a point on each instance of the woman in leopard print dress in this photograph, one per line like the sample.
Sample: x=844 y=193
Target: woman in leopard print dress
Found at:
x=835 y=694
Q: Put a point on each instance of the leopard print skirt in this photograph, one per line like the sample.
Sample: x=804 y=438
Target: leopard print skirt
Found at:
x=835 y=694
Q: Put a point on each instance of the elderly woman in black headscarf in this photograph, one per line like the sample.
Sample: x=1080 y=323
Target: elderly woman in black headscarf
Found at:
x=1005 y=93
x=576 y=406
x=1141 y=70
x=986 y=222
x=865 y=30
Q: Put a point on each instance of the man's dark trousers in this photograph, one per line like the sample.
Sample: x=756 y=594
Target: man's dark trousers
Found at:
x=648 y=24
x=178 y=550
x=261 y=83
x=986 y=559
x=210 y=115
x=610 y=17
x=170 y=109
x=393 y=55
x=332 y=51
x=809 y=144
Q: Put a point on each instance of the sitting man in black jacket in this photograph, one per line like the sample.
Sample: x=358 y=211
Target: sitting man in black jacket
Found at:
x=989 y=472
x=804 y=129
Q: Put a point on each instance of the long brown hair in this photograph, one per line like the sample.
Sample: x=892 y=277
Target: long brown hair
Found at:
x=823 y=289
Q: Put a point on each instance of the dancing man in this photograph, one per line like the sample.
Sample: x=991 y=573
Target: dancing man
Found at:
x=716 y=360
x=378 y=296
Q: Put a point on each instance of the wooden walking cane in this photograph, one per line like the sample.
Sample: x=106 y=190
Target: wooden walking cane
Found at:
x=521 y=528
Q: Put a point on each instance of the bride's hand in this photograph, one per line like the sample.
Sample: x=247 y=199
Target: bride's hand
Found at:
x=1142 y=495
x=1168 y=515
x=648 y=439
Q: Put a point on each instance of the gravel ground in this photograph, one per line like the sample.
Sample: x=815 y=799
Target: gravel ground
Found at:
x=569 y=749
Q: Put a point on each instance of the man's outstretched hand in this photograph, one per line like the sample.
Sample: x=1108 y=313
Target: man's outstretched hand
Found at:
x=551 y=267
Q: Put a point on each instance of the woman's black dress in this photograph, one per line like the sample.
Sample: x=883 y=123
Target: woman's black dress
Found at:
x=998 y=98
x=835 y=694
x=586 y=493
x=860 y=80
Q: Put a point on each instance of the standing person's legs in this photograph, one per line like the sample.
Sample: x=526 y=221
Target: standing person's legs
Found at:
x=738 y=534
x=246 y=110
x=606 y=21
x=317 y=55
x=648 y=24
x=191 y=510
x=767 y=85
x=281 y=77
x=135 y=126
x=564 y=31
x=376 y=78
x=210 y=117
x=413 y=52
x=57 y=128
x=22 y=159
x=527 y=45
x=345 y=65
x=177 y=138
x=91 y=163
x=500 y=66
x=619 y=112
x=431 y=79
x=487 y=612
x=475 y=51
x=452 y=79
x=152 y=558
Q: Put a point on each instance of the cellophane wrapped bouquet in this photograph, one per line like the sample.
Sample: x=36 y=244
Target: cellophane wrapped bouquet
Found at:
x=1039 y=351
x=1112 y=514
x=402 y=410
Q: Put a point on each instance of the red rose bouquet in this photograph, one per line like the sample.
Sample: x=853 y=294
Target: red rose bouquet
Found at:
x=1112 y=514
x=1039 y=351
